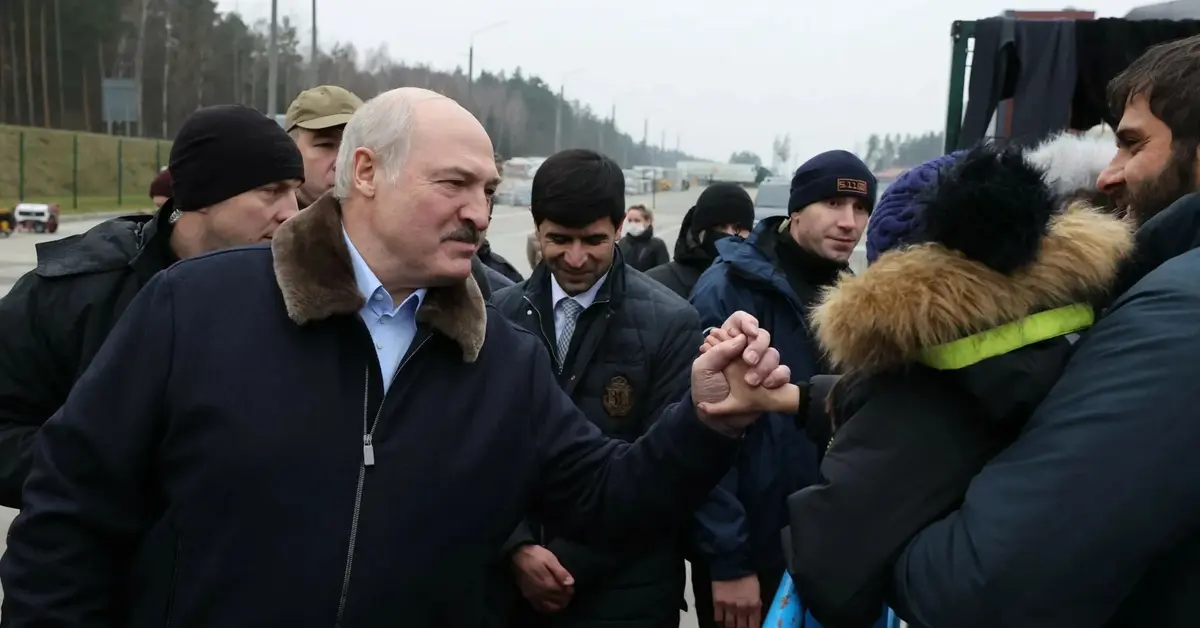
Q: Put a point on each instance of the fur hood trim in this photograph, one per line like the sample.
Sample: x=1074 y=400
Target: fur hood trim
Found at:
x=926 y=295
x=316 y=277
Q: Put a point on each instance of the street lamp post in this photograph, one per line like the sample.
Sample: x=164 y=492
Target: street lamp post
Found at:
x=559 y=110
x=471 y=58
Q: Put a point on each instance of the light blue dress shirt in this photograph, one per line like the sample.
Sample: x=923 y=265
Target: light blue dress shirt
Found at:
x=392 y=326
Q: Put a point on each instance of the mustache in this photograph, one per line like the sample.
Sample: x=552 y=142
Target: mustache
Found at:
x=467 y=232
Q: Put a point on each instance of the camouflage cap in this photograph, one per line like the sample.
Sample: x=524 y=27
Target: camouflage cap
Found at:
x=321 y=107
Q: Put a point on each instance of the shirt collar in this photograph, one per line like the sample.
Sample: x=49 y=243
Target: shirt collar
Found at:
x=585 y=298
x=379 y=300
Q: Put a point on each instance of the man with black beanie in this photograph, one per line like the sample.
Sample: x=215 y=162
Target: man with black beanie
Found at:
x=233 y=173
x=723 y=210
x=775 y=274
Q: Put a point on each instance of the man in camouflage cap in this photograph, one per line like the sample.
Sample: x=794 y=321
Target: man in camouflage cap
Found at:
x=315 y=121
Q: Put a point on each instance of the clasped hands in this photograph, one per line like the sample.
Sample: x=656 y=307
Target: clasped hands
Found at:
x=738 y=376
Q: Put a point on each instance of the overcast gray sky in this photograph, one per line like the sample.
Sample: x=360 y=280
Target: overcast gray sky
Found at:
x=722 y=75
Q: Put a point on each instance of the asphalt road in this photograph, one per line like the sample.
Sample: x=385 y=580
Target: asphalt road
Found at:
x=507 y=233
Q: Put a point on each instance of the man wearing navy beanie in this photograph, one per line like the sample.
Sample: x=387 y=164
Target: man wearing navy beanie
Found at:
x=774 y=274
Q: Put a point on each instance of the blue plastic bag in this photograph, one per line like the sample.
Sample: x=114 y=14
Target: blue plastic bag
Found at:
x=787 y=611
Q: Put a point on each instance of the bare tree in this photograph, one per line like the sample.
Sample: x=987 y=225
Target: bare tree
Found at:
x=62 y=92
x=781 y=148
x=4 y=61
x=166 y=79
x=45 y=68
x=139 y=62
x=28 y=65
x=13 y=64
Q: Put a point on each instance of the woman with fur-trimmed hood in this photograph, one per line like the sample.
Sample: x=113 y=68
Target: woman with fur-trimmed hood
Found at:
x=949 y=340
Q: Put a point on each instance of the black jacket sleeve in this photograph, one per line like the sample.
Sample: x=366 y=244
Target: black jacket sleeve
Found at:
x=659 y=253
x=596 y=490
x=30 y=380
x=902 y=460
x=672 y=368
x=86 y=501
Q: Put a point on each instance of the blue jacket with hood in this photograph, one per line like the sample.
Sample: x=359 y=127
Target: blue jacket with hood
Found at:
x=737 y=531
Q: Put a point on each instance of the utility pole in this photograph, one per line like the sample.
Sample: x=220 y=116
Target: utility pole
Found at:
x=471 y=62
x=558 y=120
x=273 y=63
x=314 y=69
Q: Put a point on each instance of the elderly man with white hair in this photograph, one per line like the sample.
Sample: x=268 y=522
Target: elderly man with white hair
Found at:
x=334 y=429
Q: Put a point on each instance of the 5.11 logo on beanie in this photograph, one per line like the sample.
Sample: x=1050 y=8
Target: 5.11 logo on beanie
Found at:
x=853 y=186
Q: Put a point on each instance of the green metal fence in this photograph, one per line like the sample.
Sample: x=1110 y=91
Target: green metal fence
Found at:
x=79 y=171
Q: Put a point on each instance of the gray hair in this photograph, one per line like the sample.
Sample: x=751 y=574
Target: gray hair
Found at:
x=384 y=126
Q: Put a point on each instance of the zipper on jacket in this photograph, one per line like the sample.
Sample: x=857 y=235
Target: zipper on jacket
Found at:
x=369 y=425
x=542 y=332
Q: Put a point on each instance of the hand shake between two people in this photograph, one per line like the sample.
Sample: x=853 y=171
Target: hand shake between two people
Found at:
x=738 y=377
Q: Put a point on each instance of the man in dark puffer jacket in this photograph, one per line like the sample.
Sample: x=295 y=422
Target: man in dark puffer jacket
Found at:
x=623 y=361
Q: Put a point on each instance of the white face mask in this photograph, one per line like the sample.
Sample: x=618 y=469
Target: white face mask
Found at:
x=635 y=228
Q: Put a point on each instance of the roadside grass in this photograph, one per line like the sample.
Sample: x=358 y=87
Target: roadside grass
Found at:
x=112 y=173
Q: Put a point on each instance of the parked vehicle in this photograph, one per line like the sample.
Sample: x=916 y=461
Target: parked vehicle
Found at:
x=6 y=223
x=36 y=217
x=772 y=198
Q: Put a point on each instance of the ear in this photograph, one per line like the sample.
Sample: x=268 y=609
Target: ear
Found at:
x=365 y=167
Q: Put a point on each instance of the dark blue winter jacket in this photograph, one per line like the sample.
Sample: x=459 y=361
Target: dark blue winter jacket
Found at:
x=211 y=469
x=738 y=529
x=1092 y=517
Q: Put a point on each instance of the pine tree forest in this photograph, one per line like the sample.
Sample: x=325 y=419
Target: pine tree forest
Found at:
x=184 y=54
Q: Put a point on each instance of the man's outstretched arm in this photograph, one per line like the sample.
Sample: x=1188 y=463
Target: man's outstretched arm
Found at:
x=596 y=489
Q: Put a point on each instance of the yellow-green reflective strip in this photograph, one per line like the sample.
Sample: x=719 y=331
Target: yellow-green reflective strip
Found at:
x=1008 y=338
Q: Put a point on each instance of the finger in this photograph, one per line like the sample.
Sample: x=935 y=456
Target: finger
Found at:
x=741 y=323
x=725 y=407
x=743 y=619
x=767 y=363
x=548 y=606
x=721 y=355
x=759 y=343
x=780 y=376
x=561 y=576
x=718 y=614
x=756 y=618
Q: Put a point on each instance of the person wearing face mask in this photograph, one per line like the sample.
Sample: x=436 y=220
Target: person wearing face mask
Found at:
x=776 y=274
x=641 y=249
x=723 y=210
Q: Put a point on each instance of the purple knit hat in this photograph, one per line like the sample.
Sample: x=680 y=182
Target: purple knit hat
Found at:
x=894 y=221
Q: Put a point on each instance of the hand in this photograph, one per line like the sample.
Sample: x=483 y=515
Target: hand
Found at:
x=754 y=377
x=742 y=324
x=710 y=387
x=542 y=579
x=736 y=603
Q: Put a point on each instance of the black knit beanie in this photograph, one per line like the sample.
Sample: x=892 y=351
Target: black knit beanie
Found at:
x=723 y=204
x=225 y=150
x=831 y=174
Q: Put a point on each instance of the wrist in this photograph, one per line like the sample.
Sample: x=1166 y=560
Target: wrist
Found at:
x=719 y=425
